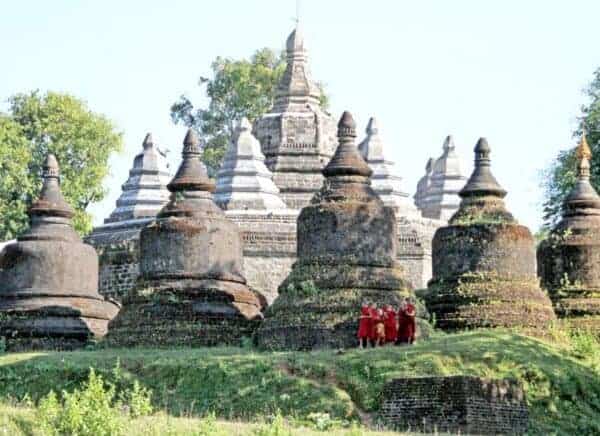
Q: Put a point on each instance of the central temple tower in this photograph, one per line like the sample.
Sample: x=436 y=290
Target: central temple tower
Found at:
x=297 y=136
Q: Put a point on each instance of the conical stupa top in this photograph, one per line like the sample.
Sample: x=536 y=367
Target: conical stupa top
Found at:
x=372 y=146
x=482 y=181
x=192 y=174
x=296 y=90
x=583 y=198
x=145 y=191
x=347 y=160
x=243 y=181
x=51 y=201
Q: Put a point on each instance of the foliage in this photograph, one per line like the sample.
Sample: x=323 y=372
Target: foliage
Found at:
x=559 y=178
x=95 y=409
x=561 y=381
x=238 y=88
x=82 y=141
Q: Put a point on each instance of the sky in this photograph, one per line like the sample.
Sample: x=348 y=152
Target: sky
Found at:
x=512 y=71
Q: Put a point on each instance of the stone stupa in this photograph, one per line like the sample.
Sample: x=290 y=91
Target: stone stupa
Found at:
x=297 y=136
x=116 y=241
x=192 y=290
x=346 y=254
x=384 y=180
x=569 y=260
x=441 y=199
x=49 y=279
x=484 y=264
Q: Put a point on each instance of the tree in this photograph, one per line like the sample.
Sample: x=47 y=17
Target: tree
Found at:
x=238 y=88
x=560 y=176
x=37 y=124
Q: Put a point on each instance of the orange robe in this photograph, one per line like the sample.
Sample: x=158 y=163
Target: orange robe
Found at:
x=391 y=328
x=365 y=323
x=407 y=324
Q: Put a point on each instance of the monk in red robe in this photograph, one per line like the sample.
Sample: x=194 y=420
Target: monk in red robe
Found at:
x=391 y=324
x=378 y=329
x=407 y=325
x=365 y=326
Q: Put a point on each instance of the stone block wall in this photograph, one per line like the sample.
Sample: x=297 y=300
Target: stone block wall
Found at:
x=455 y=404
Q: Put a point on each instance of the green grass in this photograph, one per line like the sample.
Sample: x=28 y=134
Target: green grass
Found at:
x=561 y=381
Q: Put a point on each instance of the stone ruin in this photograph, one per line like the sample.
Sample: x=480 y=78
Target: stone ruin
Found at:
x=49 y=279
x=191 y=290
x=455 y=404
x=484 y=264
x=117 y=240
x=297 y=136
x=437 y=193
x=346 y=254
x=246 y=191
x=568 y=259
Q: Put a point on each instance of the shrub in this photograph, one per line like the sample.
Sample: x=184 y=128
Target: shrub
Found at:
x=276 y=427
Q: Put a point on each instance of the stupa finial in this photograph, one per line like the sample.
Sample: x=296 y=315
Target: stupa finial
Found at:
x=449 y=143
x=372 y=126
x=148 y=142
x=583 y=154
x=347 y=160
x=51 y=201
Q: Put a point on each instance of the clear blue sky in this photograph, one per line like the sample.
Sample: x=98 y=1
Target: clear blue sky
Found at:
x=512 y=71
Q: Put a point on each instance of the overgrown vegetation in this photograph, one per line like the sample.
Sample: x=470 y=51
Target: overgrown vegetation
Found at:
x=319 y=389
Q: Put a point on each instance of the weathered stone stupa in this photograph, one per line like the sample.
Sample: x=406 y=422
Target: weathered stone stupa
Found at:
x=49 y=279
x=423 y=185
x=346 y=254
x=192 y=290
x=484 y=266
x=246 y=191
x=384 y=180
x=569 y=260
x=297 y=137
x=441 y=200
x=117 y=241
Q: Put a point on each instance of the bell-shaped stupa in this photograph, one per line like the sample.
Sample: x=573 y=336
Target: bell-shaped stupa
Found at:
x=569 y=260
x=384 y=180
x=49 y=279
x=243 y=181
x=346 y=254
x=297 y=136
x=484 y=265
x=192 y=290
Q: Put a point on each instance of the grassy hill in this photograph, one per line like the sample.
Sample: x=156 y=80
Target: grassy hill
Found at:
x=561 y=380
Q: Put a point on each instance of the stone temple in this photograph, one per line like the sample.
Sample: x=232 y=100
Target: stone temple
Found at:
x=192 y=290
x=346 y=253
x=437 y=194
x=569 y=259
x=297 y=136
x=246 y=191
x=49 y=279
x=484 y=264
x=143 y=195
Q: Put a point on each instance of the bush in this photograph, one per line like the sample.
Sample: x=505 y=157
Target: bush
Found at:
x=276 y=427
x=95 y=410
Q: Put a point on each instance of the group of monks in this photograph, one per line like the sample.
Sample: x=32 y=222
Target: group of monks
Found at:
x=379 y=326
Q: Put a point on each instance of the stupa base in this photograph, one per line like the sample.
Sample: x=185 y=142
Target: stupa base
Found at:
x=187 y=312
x=482 y=300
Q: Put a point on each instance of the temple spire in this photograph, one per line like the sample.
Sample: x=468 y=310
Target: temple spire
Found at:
x=51 y=201
x=482 y=181
x=192 y=174
x=347 y=161
x=583 y=198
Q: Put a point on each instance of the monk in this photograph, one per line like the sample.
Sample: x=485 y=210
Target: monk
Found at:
x=365 y=325
x=391 y=324
x=378 y=329
x=407 y=326
x=373 y=312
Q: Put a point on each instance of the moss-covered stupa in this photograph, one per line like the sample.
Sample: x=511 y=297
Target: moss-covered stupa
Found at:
x=346 y=255
x=569 y=260
x=191 y=290
x=484 y=264
x=49 y=278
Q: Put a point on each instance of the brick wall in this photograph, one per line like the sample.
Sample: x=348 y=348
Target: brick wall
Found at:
x=456 y=404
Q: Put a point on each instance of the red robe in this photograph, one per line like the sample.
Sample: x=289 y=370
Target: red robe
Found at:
x=378 y=326
x=365 y=323
x=407 y=325
x=391 y=328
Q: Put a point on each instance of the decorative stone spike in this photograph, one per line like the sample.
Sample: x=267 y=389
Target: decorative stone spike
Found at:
x=484 y=267
x=49 y=278
x=423 y=185
x=346 y=254
x=383 y=180
x=297 y=137
x=569 y=259
x=192 y=290
x=244 y=182
x=442 y=197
